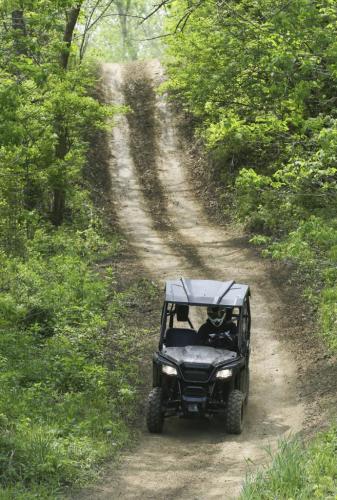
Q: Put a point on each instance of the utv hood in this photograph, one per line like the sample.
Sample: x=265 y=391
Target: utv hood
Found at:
x=198 y=354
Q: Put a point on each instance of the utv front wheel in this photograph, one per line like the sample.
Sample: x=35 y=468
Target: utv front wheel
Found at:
x=154 y=415
x=234 y=417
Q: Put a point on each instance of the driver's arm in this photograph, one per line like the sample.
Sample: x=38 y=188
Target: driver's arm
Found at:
x=231 y=330
x=203 y=333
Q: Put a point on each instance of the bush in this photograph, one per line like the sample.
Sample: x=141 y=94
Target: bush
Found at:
x=65 y=404
x=298 y=472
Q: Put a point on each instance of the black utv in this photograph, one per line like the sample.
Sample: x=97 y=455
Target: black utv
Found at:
x=202 y=370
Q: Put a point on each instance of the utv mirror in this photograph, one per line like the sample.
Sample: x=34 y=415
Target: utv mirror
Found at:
x=182 y=312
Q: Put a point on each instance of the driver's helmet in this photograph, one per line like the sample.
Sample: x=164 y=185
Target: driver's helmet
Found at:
x=216 y=314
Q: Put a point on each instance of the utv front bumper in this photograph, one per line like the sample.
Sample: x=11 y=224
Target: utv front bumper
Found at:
x=197 y=400
x=194 y=400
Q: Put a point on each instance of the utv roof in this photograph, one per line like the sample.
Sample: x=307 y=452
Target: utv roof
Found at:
x=205 y=292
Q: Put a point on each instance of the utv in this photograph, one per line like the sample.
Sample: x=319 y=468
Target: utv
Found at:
x=194 y=375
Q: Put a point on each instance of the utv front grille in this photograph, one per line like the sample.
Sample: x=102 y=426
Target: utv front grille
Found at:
x=194 y=392
x=194 y=375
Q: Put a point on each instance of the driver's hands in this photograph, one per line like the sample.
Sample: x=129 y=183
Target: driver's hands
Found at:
x=211 y=338
x=218 y=338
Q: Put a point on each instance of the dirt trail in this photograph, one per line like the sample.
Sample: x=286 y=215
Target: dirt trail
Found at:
x=192 y=459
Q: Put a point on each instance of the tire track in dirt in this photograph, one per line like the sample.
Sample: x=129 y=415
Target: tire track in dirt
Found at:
x=196 y=459
x=128 y=197
x=144 y=123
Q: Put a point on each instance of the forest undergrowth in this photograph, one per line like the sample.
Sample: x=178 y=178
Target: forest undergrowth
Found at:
x=259 y=81
x=69 y=371
x=70 y=379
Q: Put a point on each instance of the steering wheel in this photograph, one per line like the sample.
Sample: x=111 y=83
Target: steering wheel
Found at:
x=220 y=337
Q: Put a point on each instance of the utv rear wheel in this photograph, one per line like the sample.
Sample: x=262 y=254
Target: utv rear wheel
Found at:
x=154 y=415
x=234 y=417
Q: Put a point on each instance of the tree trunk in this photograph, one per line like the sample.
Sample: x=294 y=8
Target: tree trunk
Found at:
x=18 y=22
x=19 y=25
x=59 y=203
x=72 y=17
x=59 y=191
x=123 y=8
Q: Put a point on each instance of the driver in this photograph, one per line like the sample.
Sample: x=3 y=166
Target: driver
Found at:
x=219 y=330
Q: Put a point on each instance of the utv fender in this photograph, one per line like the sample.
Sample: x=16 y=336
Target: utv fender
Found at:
x=156 y=372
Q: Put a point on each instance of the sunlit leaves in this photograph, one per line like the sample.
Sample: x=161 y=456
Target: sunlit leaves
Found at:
x=36 y=95
x=261 y=77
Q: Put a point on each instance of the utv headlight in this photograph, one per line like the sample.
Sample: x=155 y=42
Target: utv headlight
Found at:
x=169 y=370
x=225 y=373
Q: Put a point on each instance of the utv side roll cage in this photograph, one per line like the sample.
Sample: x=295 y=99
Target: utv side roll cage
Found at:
x=182 y=293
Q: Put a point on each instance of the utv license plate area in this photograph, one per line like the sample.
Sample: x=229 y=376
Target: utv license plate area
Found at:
x=193 y=408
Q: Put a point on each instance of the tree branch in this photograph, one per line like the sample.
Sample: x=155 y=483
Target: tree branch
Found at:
x=157 y=7
x=87 y=23
x=88 y=26
x=154 y=37
x=180 y=26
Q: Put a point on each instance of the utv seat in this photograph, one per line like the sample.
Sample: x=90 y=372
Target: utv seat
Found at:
x=181 y=337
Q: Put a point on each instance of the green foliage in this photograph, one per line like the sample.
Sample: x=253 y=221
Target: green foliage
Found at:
x=47 y=116
x=65 y=402
x=260 y=77
x=312 y=247
x=68 y=395
x=298 y=472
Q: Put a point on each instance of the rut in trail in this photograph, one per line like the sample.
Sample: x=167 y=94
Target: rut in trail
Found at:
x=165 y=224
